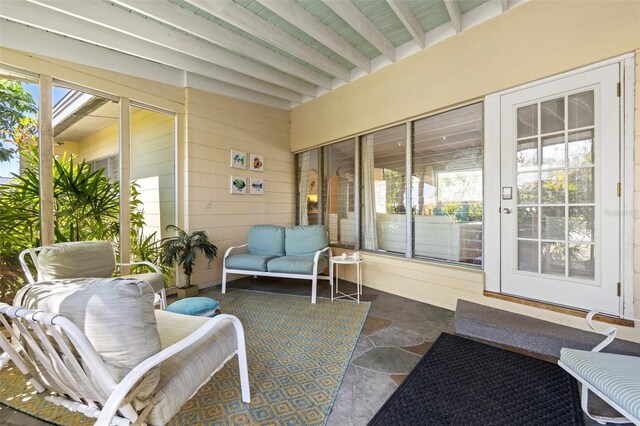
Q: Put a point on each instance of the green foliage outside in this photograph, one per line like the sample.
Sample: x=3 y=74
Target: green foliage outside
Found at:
x=16 y=105
x=86 y=203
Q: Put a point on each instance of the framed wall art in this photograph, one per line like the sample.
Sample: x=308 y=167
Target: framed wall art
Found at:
x=257 y=186
x=256 y=162
x=238 y=159
x=238 y=185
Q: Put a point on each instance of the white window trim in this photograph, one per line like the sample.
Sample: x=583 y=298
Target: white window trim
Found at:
x=491 y=197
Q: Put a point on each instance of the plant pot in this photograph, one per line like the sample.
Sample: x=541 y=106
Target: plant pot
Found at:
x=190 y=291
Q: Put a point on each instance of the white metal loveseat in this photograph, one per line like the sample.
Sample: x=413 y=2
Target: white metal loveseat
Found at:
x=103 y=350
x=84 y=259
x=300 y=252
x=614 y=378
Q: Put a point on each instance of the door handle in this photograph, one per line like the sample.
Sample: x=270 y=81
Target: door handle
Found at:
x=506 y=210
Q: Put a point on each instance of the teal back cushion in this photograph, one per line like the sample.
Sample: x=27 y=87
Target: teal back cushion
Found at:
x=305 y=240
x=266 y=240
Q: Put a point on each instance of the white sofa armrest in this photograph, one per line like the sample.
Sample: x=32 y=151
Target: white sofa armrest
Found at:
x=230 y=249
x=316 y=257
x=123 y=388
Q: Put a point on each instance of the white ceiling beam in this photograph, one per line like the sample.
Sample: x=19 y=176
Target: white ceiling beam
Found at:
x=50 y=20
x=183 y=19
x=505 y=5
x=117 y=19
x=408 y=19
x=240 y=17
x=454 y=13
x=305 y=21
x=359 y=22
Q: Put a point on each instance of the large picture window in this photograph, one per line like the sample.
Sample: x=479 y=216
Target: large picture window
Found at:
x=438 y=201
x=339 y=201
x=447 y=179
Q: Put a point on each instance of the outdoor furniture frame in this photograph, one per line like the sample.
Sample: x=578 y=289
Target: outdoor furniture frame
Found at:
x=34 y=252
x=614 y=378
x=51 y=341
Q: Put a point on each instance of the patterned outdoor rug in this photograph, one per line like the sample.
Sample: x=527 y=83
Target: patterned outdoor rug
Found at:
x=297 y=353
x=463 y=382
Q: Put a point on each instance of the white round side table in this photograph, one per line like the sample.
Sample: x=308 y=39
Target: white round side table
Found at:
x=347 y=260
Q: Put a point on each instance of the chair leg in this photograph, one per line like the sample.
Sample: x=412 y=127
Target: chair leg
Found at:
x=314 y=288
x=242 y=361
x=163 y=299
x=603 y=420
x=224 y=280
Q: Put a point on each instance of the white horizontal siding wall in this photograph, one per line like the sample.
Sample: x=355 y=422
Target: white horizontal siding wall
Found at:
x=215 y=125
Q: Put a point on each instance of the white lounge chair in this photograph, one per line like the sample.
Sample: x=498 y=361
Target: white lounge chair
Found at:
x=614 y=378
x=84 y=259
x=101 y=349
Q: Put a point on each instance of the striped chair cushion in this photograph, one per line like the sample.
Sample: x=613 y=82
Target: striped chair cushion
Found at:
x=616 y=376
x=182 y=374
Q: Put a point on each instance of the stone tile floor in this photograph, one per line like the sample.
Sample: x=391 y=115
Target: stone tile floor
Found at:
x=396 y=334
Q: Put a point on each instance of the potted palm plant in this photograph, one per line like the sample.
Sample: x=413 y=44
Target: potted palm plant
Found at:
x=182 y=249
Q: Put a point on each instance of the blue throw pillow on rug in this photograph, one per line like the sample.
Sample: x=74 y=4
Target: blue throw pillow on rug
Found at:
x=197 y=306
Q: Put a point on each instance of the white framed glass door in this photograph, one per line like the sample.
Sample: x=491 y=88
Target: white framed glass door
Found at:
x=560 y=210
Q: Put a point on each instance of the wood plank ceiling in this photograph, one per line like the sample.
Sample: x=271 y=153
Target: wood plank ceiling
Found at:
x=278 y=52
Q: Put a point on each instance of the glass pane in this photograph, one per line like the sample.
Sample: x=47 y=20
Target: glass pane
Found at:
x=527 y=155
x=86 y=132
x=384 y=221
x=552 y=223
x=580 y=148
x=153 y=142
x=338 y=189
x=528 y=121
x=528 y=256
x=527 y=188
x=553 y=151
x=552 y=115
x=553 y=258
x=19 y=199
x=581 y=223
x=581 y=185
x=581 y=111
x=582 y=260
x=528 y=222
x=446 y=185
x=308 y=187
x=552 y=187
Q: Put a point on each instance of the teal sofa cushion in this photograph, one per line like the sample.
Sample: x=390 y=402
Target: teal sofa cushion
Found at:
x=197 y=306
x=305 y=240
x=248 y=262
x=296 y=264
x=266 y=240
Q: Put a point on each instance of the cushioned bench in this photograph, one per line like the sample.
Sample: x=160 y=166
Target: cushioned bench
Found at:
x=301 y=252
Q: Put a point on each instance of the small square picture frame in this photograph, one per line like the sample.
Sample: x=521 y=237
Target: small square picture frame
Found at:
x=238 y=159
x=238 y=185
x=256 y=163
x=257 y=186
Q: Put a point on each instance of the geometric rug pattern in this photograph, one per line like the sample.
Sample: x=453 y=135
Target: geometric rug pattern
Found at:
x=297 y=355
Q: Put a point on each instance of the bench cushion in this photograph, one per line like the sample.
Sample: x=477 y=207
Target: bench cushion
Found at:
x=182 y=374
x=78 y=259
x=305 y=240
x=248 y=262
x=296 y=265
x=266 y=240
x=616 y=376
